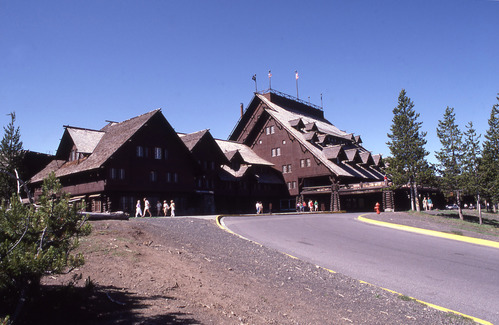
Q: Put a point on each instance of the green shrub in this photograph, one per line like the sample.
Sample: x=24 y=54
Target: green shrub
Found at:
x=37 y=241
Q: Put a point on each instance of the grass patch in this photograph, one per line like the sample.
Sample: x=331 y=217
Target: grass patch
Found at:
x=406 y=298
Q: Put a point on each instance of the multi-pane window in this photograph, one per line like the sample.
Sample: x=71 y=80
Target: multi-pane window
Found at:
x=269 y=130
x=286 y=168
x=305 y=163
x=158 y=153
x=276 y=152
x=122 y=173
x=140 y=151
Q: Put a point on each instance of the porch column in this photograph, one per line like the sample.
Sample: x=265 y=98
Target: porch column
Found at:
x=335 y=205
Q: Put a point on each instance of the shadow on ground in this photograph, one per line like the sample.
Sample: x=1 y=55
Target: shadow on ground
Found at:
x=96 y=305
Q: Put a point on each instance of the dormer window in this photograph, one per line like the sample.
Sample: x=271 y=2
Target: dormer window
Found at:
x=74 y=155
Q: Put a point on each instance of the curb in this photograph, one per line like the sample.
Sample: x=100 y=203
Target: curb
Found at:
x=222 y=226
x=434 y=233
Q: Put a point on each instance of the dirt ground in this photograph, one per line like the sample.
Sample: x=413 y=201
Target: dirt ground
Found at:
x=189 y=271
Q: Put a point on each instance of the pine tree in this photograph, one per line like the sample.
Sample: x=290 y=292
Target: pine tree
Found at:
x=490 y=157
x=11 y=156
x=407 y=165
x=449 y=156
x=37 y=242
x=472 y=179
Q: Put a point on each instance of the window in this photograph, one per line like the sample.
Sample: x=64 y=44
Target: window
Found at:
x=272 y=130
x=168 y=177
x=175 y=177
x=284 y=169
x=113 y=173
x=140 y=151
x=302 y=163
x=273 y=152
x=122 y=173
x=267 y=130
x=153 y=176
x=289 y=185
x=283 y=141
x=158 y=153
x=289 y=168
x=308 y=162
x=294 y=184
x=74 y=155
x=166 y=153
x=278 y=151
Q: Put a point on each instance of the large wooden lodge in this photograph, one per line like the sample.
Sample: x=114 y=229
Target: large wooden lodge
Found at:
x=281 y=152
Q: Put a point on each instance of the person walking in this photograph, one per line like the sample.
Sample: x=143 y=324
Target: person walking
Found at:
x=165 y=208
x=138 y=209
x=158 y=208
x=172 y=208
x=147 y=208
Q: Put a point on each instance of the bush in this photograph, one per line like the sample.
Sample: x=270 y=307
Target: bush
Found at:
x=36 y=242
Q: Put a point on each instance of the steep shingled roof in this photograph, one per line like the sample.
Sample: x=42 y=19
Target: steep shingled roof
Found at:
x=293 y=120
x=191 y=139
x=249 y=156
x=115 y=135
x=85 y=140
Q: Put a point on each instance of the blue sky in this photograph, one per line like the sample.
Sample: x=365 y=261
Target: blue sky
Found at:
x=81 y=62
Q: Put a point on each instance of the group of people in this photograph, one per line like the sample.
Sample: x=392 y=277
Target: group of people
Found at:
x=427 y=203
x=259 y=207
x=311 y=206
x=160 y=208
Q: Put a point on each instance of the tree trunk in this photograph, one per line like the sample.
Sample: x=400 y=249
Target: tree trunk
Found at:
x=416 y=198
x=479 y=207
x=411 y=191
x=458 y=199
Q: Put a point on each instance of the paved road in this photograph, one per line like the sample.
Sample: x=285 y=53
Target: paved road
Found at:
x=460 y=276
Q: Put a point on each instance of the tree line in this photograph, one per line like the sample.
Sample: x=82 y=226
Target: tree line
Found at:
x=465 y=164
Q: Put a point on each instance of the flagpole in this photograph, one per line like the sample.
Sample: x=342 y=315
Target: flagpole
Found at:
x=254 y=79
x=270 y=80
x=296 y=76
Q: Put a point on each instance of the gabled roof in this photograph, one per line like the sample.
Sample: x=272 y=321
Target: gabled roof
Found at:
x=334 y=152
x=115 y=135
x=229 y=148
x=85 y=140
x=192 y=139
x=353 y=155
